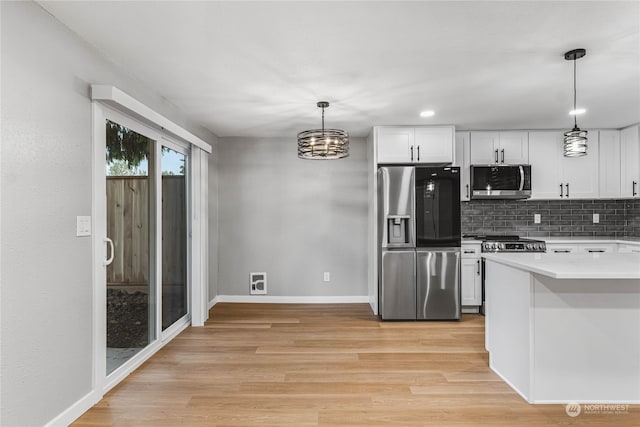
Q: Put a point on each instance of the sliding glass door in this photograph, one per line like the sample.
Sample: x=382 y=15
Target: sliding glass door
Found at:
x=174 y=235
x=130 y=284
x=146 y=215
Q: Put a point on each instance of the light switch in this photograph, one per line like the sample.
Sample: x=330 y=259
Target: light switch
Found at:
x=536 y=218
x=83 y=226
x=596 y=218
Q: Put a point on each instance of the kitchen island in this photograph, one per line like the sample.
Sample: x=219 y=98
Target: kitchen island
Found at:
x=565 y=327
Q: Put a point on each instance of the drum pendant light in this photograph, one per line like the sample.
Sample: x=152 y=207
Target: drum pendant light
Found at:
x=575 y=140
x=323 y=143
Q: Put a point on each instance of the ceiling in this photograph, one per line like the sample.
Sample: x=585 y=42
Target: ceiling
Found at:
x=258 y=68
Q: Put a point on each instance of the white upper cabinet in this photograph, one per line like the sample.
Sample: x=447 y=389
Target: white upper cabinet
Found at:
x=630 y=161
x=432 y=144
x=463 y=160
x=545 y=156
x=609 y=163
x=554 y=176
x=580 y=174
x=395 y=144
x=499 y=147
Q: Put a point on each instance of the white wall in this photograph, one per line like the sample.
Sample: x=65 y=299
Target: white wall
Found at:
x=46 y=305
x=292 y=218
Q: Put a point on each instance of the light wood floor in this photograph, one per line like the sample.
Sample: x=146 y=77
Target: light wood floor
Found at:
x=325 y=365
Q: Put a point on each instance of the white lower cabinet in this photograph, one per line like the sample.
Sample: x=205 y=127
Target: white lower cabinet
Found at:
x=471 y=276
x=557 y=248
x=597 y=248
x=629 y=249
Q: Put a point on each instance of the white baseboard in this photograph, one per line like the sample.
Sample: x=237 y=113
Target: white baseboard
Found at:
x=292 y=299
x=213 y=302
x=74 y=411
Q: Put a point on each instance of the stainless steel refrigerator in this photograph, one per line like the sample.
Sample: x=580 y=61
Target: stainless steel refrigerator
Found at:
x=419 y=243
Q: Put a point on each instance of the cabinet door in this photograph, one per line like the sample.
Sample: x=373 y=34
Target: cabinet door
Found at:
x=395 y=144
x=556 y=248
x=434 y=144
x=463 y=160
x=597 y=248
x=580 y=174
x=484 y=148
x=630 y=162
x=514 y=148
x=609 y=163
x=629 y=249
x=471 y=285
x=545 y=156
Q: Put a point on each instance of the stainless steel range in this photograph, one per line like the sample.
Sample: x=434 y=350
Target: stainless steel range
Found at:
x=511 y=244
x=495 y=243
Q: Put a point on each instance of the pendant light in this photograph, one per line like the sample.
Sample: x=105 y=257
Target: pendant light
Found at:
x=323 y=143
x=575 y=140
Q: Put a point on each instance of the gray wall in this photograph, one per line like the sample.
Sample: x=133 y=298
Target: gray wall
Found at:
x=213 y=223
x=46 y=279
x=292 y=218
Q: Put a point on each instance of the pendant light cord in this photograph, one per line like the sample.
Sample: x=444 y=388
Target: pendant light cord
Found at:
x=322 y=121
x=575 y=116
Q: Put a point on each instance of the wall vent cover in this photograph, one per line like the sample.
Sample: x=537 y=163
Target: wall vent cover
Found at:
x=258 y=283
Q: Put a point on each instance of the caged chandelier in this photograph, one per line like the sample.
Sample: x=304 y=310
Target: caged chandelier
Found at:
x=575 y=140
x=323 y=143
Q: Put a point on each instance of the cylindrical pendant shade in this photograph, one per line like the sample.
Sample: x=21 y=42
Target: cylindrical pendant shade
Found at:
x=575 y=143
x=323 y=144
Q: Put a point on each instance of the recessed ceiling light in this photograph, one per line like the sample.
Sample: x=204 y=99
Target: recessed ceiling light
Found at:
x=577 y=111
x=427 y=113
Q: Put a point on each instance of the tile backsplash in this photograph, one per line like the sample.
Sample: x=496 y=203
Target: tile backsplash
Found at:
x=618 y=218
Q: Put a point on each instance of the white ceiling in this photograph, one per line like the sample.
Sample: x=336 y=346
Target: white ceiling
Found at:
x=258 y=68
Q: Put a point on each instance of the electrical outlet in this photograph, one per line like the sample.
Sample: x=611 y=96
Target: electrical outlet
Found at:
x=327 y=276
x=596 y=218
x=536 y=218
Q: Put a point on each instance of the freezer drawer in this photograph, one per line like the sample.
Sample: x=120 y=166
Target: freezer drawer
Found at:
x=398 y=290
x=438 y=284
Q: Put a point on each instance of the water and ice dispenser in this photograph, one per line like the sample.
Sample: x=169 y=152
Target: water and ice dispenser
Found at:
x=398 y=229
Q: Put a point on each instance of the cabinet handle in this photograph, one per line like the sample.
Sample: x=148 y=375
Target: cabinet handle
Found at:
x=595 y=250
x=412 y=153
x=561 y=251
x=561 y=191
x=567 y=184
x=496 y=156
x=469 y=252
x=502 y=153
x=418 y=153
x=634 y=189
x=478 y=264
x=467 y=190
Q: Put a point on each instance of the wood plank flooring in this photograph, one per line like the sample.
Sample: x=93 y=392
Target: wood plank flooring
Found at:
x=325 y=365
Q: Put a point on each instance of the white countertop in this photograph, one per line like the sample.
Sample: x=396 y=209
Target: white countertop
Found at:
x=573 y=266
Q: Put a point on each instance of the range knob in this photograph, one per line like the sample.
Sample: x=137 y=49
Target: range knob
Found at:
x=530 y=246
x=500 y=245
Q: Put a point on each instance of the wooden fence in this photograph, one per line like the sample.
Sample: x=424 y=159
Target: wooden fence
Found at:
x=128 y=225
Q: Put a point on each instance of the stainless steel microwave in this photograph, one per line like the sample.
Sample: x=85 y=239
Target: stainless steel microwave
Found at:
x=500 y=181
